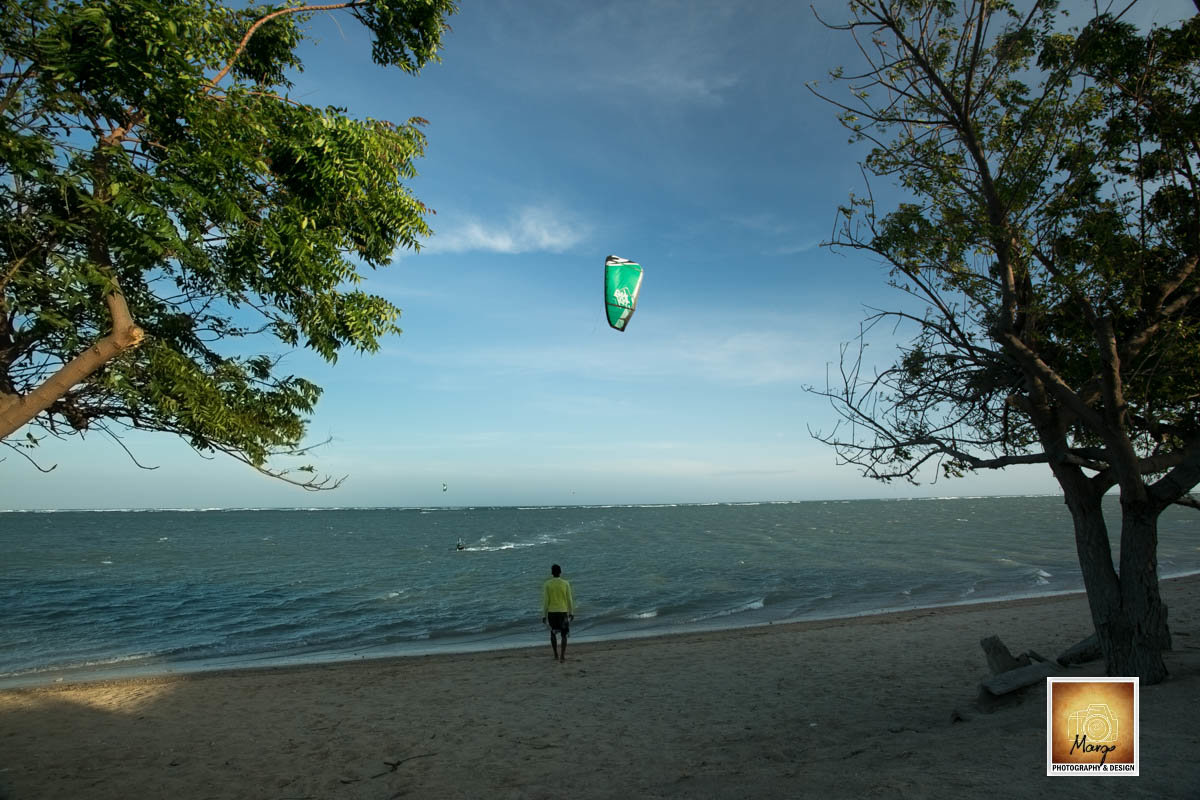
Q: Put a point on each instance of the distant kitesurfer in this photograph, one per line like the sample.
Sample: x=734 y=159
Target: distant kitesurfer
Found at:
x=461 y=546
x=558 y=609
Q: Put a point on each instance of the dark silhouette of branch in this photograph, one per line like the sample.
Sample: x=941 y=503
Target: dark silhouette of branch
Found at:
x=19 y=449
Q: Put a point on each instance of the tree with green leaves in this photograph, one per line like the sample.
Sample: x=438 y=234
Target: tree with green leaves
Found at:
x=171 y=217
x=1049 y=235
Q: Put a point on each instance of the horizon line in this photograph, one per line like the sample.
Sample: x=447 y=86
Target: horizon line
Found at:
x=517 y=506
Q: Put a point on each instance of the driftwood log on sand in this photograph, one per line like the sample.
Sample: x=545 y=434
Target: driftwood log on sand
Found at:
x=1010 y=674
x=1082 y=653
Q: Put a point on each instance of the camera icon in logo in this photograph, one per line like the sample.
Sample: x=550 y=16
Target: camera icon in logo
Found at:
x=1096 y=722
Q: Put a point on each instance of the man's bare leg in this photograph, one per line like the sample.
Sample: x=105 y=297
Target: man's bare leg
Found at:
x=564 y=648
x=554 y=643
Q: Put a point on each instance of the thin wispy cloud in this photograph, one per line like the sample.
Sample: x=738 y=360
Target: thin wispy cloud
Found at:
x=669 y=52
x=788 y=352
x=532 y=229
x=761 y=222
x=775 y=235
x=665 y=77
x=797 y=248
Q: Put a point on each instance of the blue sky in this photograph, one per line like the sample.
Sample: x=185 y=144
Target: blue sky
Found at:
x=676 y=134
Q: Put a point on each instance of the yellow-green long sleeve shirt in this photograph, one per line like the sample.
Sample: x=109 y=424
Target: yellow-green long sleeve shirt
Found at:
x=557 y=596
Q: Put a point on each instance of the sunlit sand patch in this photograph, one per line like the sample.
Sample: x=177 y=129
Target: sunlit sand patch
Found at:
x=129 y=698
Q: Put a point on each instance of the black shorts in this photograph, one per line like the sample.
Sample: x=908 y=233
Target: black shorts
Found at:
x=559 y=621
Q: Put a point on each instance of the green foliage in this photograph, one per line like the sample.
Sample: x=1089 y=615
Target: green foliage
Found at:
x=1051 y=235
x=148 y=147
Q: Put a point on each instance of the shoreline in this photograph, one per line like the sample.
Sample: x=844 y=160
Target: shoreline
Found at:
x=158 y=667
x=870 y=706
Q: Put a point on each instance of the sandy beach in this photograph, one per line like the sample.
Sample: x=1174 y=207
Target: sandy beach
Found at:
x=880 y=706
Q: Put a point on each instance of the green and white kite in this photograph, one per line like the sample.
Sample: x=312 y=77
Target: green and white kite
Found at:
x=622 y=283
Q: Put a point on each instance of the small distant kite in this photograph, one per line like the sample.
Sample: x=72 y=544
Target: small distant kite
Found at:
x=622 y=283
x=443 y=487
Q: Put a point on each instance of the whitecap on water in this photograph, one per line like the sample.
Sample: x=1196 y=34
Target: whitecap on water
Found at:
x=651 y=614
x=753 y=605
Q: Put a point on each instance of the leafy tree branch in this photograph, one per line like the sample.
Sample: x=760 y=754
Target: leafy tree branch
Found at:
x=136 y=198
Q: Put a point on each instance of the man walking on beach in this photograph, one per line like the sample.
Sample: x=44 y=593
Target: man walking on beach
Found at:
x=558 y=609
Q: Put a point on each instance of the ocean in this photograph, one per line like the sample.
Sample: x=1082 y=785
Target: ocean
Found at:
x=94 y=594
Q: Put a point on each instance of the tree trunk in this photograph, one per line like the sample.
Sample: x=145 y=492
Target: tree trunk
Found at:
x=1127 y=610
x=1145 y=635
x=1100 y=580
